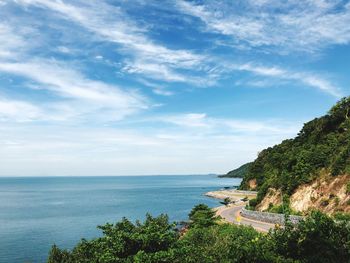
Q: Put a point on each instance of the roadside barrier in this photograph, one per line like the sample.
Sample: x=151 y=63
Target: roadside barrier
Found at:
x=267 y=217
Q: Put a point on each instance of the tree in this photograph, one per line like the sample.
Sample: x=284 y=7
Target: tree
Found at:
x=123 y=242
x=57 y=255
x=202 y=216
x=316 y=239
x=226 y=201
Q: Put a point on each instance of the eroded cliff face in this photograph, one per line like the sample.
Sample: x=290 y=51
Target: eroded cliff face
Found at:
x=252 y=184
x=327 y=193
x=273 y=196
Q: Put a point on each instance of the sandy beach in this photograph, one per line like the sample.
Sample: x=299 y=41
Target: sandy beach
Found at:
x=233 y=194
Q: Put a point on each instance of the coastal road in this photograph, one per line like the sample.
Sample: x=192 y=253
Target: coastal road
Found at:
x=232 y=214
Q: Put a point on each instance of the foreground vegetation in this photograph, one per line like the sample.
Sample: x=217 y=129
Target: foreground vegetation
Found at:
x=317 y=239
x=321 y=147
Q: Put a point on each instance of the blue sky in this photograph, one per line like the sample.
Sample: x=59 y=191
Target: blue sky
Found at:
x=162 y=87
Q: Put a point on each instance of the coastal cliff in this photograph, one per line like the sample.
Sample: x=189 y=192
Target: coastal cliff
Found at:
x=311 y=171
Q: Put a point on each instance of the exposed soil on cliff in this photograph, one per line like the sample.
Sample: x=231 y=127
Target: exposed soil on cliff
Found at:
x=326 y=193
x=273 y=196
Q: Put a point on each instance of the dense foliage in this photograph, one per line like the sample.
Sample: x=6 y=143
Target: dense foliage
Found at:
x=322 y=145
x=240 y=172
x=202 y=216
x=317 y=239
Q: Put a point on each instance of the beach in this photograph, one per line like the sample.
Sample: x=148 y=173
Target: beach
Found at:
x=233 y=194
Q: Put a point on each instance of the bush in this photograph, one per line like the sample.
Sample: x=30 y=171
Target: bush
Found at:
x=253 y=202
x=226 y=201
x=317 y=239
x=342 y=216
x=202 y=216
x=123 y=242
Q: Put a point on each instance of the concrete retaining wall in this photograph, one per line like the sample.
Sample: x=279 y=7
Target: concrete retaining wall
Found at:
x=269 y=217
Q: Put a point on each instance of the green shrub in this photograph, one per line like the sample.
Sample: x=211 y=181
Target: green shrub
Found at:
x=252 y=202
x=202 y=216
x=348 y=188
x=317 y=239
x=342 y=216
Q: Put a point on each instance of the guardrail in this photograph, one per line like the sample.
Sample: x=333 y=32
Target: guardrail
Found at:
x=267 y=217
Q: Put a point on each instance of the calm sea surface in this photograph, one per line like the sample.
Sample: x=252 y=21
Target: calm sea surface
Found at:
x=38 y=212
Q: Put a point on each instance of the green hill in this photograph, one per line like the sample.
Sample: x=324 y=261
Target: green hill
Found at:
x=321 y=149
x=240 y=172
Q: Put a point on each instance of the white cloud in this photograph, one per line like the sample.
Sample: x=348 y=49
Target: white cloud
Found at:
x=288 y=25
x=201 y=123
x=155 y=71
x=310 y=79
x=76 y=92
x=11 y=44
x=151 y=70
x=66 y=150
x=163 y=92
x=72 y=94
x=20 y=111
x=159 y=89
x=109 y=23
x=64 y=49
x=188 y=120
x=150 y=60
x=260 y=70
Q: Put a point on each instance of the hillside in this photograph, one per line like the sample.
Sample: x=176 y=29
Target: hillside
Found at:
x=310 y=171
x=240 y=172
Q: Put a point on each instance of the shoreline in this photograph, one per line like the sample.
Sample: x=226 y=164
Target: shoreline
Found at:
x=233 y=194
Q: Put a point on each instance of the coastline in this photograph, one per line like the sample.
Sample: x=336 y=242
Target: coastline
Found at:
x=233 y=194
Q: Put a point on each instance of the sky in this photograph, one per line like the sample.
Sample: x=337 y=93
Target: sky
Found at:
x=147 y=87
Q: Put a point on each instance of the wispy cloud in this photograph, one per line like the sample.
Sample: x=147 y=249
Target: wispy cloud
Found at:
x=62 y=150
x=188 y=120
x=309 y=79
x=72 y=94
x=107 y=22
x=12 y=44
x=157 y=88
x=79 y=93
x=21 y=111
x=201 y=123
x=289 y=25
x=150 y=60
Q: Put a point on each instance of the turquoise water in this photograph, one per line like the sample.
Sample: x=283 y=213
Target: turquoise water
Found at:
x=38 y=212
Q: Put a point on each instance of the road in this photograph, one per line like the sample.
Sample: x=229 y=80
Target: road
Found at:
x=232 y=214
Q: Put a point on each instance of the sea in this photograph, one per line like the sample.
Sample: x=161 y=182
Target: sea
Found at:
x=37 y=212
